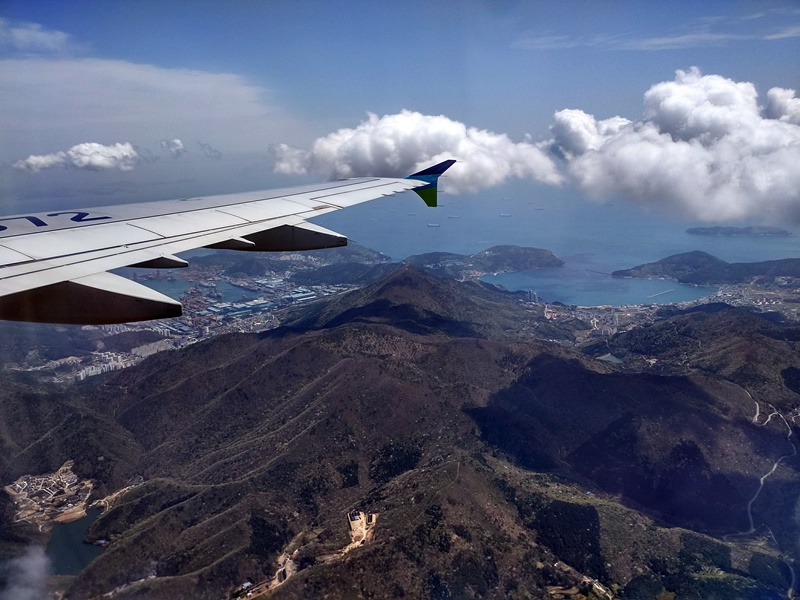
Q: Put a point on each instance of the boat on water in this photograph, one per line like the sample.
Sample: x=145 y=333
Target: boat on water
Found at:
x=433 y=225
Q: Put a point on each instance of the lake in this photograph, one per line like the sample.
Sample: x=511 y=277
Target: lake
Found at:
x=67 y=553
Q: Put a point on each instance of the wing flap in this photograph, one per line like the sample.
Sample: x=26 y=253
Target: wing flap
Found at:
x=8 y=256
x=162 y=261
x=264 y=210
x=294 y=238
x=233 y=243
x=181 y=224
x=98 y=299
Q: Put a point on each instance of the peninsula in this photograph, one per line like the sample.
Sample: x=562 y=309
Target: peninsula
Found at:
x=701 y=268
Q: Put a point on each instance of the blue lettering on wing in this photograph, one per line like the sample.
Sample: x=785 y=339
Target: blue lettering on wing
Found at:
x=79 y=216
x=32 y=218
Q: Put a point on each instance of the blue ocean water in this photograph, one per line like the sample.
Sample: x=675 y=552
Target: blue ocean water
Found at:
x=591 y=237
x=570 y=286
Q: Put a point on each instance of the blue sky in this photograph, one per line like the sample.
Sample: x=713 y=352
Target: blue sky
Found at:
x=250 y=86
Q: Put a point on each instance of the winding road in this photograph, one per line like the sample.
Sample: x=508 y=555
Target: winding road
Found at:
x=788 y=560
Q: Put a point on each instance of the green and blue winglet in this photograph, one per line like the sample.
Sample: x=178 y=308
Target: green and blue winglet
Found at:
x=431 y=177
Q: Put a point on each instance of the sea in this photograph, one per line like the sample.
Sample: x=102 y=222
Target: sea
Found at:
x=592 y=238
x=177 y=286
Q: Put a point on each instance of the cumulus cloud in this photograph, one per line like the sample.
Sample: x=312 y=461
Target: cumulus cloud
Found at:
x=704 y=148
x=26 y=576
x=174 y=146
x=395 y=145
x=89 y=155
x=782 y=105
x=576 y=132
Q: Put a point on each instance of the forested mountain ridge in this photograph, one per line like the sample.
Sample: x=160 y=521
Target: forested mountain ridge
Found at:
x=489 y=459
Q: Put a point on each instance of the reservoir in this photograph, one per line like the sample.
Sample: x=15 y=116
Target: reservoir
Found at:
x=67 y=553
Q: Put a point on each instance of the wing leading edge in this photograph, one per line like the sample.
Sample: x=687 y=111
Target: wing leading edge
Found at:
x=53 y=266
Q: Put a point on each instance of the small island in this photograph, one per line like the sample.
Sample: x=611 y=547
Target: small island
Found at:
x=752 y=230
x=497 y=259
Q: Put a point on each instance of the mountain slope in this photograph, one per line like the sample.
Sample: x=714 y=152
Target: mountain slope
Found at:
x=413 y=299
x=497 y=468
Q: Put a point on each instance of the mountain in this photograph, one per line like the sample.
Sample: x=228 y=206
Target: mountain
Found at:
x=351 y=273
x=444 y=264
x=749 y=349
x=498 y=464
x=514 y=258
x=40 y=424
x=700 y=268
x=417 y=301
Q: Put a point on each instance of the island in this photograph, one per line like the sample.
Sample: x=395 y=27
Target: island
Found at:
x=497 y=259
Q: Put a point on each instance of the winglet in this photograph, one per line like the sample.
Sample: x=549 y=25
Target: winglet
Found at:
x=431 y=176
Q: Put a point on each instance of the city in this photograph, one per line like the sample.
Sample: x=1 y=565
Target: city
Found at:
x=217 y=302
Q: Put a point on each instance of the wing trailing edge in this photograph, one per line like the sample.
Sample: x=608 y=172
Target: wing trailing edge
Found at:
x=99 y=299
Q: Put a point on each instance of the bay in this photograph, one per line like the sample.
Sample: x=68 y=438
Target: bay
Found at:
x=589 y=236
x=555 y=285
x=175 y=287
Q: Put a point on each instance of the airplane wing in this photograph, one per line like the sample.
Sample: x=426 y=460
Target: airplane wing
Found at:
x=53 y=266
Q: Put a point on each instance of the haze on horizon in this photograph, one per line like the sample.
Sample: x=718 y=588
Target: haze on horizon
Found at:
x=687 y=110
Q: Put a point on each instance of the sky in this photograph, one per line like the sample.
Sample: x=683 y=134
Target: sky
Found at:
x=684 y=108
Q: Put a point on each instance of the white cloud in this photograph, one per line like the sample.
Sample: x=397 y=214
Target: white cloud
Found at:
x=89 y=155
x=766 y=26
x=38 y=162
x=793 y=31
x=704 y=148
x=782 y=105
x=399 y=144
x=55 y=103
x=174 y=146
x=26 y=576
x=575 y=131
x=32 y=38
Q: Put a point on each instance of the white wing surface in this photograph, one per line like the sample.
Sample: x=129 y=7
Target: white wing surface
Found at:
x=53 y=266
